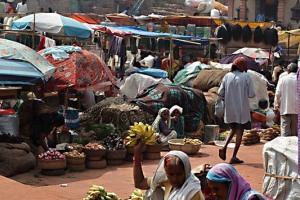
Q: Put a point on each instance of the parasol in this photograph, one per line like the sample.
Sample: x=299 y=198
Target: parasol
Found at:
x=250 y=62
x=53 y=23
x=20 y=64
x=253 y=52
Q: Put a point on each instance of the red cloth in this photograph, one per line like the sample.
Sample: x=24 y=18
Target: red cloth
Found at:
x=10 y=8
x=42 y=43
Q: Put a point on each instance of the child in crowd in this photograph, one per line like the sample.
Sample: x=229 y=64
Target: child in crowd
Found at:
x=263 y=116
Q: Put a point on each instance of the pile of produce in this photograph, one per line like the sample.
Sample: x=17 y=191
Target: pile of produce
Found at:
x=113 y=142
x=8 y=138
x=74 y=154
x=74 y=146
x=270 y=133
x=51 y=155
x=94 y=146
x=191 y=141
x=136 y=195
x=141 y=131
x=101 y=130
x=250 y=137
x=97 y=192
x=224 y=135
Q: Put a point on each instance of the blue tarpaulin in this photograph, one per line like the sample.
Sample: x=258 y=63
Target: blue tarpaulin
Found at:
x=18 y=72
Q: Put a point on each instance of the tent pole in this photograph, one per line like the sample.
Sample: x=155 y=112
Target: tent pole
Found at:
x=33 y=30
x=289 y=37
x=171 y=58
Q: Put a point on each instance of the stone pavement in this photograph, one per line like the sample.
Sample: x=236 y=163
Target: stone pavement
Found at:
x=119 y=179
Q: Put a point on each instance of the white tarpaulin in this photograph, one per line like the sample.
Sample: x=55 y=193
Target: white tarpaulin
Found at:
x=280 y=159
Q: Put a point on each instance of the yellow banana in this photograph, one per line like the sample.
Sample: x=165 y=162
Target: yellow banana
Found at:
x=138 y=192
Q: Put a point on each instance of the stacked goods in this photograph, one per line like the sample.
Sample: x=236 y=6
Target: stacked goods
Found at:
x=116 y=151
x=94 y=153
x=97 y=192
x=52 y=163
x=75 y=160
x=270 y=133
x=136 y=195
x=250 y=137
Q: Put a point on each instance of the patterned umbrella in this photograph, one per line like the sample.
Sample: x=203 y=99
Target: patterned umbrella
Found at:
x=53 y=23
x=253 y=52
x=250 y=62
x=21 y=64
x=76 y=68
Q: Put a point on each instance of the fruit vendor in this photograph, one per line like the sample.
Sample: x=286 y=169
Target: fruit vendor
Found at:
x=45 y=124
x=162 y=125
x=172 y=179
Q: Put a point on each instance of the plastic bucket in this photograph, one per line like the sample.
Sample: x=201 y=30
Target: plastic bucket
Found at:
x=211 y=132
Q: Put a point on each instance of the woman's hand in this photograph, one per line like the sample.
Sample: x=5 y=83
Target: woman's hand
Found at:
x=138 y=148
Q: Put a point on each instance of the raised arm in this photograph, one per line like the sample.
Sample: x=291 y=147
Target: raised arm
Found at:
x=140 y=181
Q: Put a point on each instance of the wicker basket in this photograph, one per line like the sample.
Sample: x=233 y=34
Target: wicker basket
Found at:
x=95 y=153
x=129 y=150
x=178 y=144
x=75 y=160
x=99 y=164
x=76 y=168
x=154 y=148
x=94 y=158
x=114 y=162
x=52 y=164
x=116 y=154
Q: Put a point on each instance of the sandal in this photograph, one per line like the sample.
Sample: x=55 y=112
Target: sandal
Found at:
x=222 y=154
x=235 y=161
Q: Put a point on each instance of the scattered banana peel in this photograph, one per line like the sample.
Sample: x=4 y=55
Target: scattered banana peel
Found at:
x=141 y=131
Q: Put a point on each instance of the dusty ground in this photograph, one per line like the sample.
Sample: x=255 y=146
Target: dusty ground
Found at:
x=118 y=179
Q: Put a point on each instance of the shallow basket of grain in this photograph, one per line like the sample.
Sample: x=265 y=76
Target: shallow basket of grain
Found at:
x=180 y=145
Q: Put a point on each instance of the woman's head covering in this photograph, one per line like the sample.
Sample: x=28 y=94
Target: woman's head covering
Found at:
x=157 y=120
x=175 y=107
x=227 y=173
x=189 y=188
x=240 y=64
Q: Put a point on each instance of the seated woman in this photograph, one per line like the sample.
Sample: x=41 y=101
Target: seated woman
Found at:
x=259 y=115
x=172 y=179
x=226 y=183
x=162 y=125
x=177 y=121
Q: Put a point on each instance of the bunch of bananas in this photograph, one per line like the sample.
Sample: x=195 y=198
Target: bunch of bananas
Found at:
x=141 y=131
x=136 y=195
x=97 y=192
x=191 y=141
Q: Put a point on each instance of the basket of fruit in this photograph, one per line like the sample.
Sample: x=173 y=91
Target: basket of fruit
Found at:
x=115 y=147
x=75 y=158
x=94 y=150
x=188 y=146
x=51 y=159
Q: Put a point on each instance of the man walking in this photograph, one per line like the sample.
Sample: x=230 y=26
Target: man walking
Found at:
x=286 y=102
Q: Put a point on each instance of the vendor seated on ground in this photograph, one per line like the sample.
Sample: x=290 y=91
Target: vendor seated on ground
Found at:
x=259 y=115
x=45 y=125
x=177 y=120
x=162 y=125
x=172 y=180
x=148 y=61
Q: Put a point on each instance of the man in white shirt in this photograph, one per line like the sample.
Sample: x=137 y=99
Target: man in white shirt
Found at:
x=286 y=102
x=148 y=61
x=22 y=8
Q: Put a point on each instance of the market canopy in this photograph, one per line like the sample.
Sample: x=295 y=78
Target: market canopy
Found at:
x=53 y=23
x=22 y=65
x=290 y=38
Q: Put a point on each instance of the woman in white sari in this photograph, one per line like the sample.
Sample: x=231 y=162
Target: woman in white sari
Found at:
x=172 y=180
x=162 y=125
